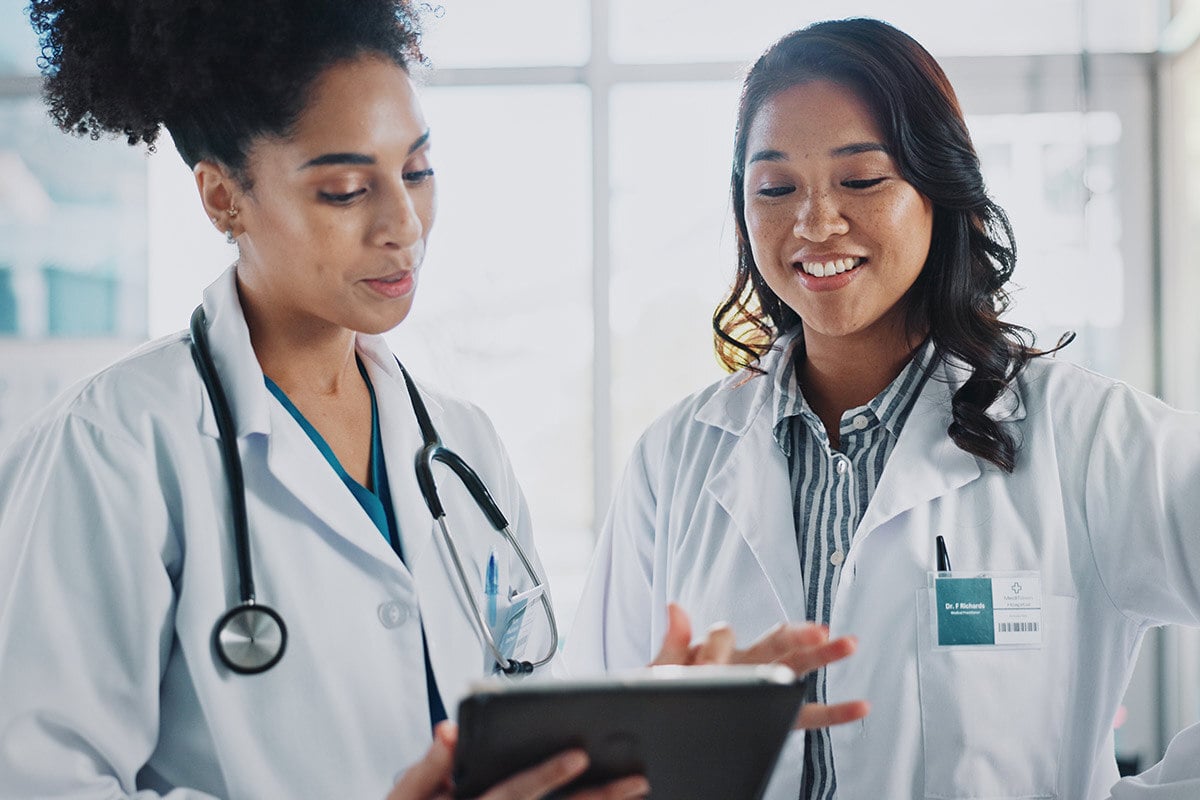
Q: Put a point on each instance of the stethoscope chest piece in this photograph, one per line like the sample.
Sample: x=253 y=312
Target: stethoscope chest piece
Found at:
x=250 y=638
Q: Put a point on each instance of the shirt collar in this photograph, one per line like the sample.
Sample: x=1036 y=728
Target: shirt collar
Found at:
x=889 y=408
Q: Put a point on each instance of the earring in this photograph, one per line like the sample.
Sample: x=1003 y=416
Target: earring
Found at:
x=229 y=237
x=233 y=212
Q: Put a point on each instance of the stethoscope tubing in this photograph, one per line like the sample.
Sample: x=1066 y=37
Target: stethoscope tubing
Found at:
x=202 y=355
x=250 y=637
x=435 y=450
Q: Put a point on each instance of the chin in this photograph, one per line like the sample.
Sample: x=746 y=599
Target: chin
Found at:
x=377 y=324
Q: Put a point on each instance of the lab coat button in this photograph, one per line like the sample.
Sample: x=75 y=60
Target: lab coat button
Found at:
x=837 y=558
x=392 y=614
x=860 y=422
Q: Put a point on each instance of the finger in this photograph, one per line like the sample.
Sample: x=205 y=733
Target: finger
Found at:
x=780 y=641
x=624 y=789
x=539 y=781
x=803 y=660
x=678 y=638
x=433 y=772
x=717 y=647
x=819 y=715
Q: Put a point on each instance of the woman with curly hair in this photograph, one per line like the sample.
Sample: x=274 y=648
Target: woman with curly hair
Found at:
x=892 y=459
x=118 y=547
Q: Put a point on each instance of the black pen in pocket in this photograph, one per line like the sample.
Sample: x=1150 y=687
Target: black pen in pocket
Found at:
x=943 y=556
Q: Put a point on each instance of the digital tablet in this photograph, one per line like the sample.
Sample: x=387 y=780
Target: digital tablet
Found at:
x=694 y=732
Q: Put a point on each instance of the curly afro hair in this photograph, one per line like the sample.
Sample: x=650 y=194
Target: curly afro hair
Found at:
x=216 y=73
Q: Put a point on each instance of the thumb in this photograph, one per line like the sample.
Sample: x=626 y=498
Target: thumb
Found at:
x=432 y=773
x=677 y=641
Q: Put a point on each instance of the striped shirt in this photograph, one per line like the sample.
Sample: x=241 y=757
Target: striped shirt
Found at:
x=830 y=491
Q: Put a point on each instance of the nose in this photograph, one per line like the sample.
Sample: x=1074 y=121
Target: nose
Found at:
x=398 y=222
x=819 y=217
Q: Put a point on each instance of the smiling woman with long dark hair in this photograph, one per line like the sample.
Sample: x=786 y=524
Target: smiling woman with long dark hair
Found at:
x=893 y=459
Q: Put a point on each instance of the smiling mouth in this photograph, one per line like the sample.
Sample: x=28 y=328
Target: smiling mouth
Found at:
x=823 y=269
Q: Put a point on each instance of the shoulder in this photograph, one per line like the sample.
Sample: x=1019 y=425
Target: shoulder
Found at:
x=122 y=399
x=722 y=411
x=1062 y=388
x=456 y=413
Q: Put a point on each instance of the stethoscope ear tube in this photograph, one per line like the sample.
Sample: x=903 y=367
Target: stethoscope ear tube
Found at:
x=248 y=638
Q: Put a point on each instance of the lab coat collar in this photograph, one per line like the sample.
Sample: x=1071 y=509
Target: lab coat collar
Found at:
x=738 y=399
x=925 y=464
x=241 y=375
x=402 y=440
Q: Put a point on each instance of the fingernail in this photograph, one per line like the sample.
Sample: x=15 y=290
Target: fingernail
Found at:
x=636 y=786
x=575 y=761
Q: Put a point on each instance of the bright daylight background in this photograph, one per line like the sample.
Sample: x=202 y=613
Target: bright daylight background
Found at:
x=582 y=150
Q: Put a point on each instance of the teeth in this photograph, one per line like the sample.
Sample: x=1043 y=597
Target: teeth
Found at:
x=827 y=268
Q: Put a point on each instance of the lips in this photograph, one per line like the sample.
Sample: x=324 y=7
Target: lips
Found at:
x=397 y=284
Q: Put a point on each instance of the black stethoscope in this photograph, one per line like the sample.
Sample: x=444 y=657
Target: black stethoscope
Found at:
x=251 y=637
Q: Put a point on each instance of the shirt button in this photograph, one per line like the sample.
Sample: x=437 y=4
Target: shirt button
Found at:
x=842 y=466
x=860 y=422
x=393 y=614
x=837 y=558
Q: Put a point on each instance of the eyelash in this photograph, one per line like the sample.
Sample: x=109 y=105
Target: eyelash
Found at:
x=862 y=184
x=780 y=191
x=343 y=199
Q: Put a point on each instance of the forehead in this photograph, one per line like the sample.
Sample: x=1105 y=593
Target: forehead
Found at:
x=366 y=105
x=816 y=116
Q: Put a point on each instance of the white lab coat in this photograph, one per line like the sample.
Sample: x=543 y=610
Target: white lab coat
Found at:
x=1104 y=502
x=116 y=560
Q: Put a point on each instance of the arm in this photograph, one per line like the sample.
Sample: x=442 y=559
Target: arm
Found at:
x=1143 y=510
x=1176 y=777
x=86 y=621
x=1143 y=515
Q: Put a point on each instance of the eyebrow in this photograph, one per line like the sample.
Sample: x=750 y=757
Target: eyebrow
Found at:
x=838 y=152
x=360 y=158
x=858 y=147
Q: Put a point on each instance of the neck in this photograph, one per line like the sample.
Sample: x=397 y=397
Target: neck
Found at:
x=301 y=355
x=840 y=373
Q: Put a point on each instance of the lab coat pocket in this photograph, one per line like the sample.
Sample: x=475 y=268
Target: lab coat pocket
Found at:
x=992 y=719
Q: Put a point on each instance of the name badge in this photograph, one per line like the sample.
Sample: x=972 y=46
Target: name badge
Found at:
x=986 y=609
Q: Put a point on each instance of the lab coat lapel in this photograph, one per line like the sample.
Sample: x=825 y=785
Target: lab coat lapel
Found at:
x=926 y=463
x=753 y=488
x=294 y=460
x=454 y=647
x=402 y=442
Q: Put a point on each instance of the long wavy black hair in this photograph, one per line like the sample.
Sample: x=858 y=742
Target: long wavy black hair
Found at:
x=216 y=73
x=959 y=295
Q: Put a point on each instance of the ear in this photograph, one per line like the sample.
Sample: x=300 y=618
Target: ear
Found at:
x=219 y=193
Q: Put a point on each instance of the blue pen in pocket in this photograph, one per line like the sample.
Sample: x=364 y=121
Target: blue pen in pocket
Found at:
x=491 y=588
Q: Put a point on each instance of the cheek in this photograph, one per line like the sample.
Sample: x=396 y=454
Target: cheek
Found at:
x=907 y=227
x=764 y=227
